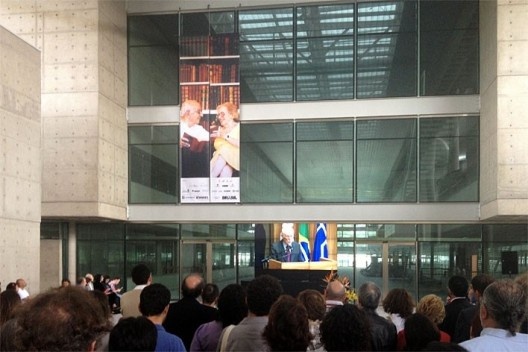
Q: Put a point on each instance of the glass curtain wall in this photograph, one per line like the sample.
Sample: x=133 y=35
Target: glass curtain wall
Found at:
x=366 y=49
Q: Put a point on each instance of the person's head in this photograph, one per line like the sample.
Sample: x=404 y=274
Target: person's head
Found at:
x=503 y=306
x=210 y=294
x=133 y=334
x=192 y=286
x=369 y=295
x=346 y=328
x=61 y=320
x=399 y=301
x=479 y=283
x=419 y=331
x=458 y=286
x=335 y=291
x=12 y=286
x=9 y=301
x=65 y=283
x=191 y=112
x=81 y=281
x=432 y=307
x=232 y=306
x=141 y=274
x=262 y=292
x=89 y=278
x=226 y=112
x=287 y=233
x=21 y=283
x=154 y=300
x=287 y=328
x=314 y=303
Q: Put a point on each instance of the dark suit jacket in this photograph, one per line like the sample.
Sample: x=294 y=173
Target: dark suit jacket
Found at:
x=278 y=252
x=463 y=324
x=383 y=332
x=453 y=309
x=185 y=316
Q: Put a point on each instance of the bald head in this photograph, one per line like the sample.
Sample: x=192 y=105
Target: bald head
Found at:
x=192 y=286
x=335 y=291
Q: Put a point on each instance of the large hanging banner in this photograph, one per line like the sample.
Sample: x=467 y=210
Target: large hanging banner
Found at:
x=209 y=119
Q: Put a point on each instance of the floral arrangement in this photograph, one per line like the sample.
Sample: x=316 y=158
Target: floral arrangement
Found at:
x=351 y=294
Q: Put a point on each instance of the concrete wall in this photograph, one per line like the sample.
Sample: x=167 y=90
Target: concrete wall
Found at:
x=84 y=98
x=504 y=124
x=20 y=161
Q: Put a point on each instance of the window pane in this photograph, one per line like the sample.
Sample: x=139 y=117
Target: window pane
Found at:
x=205 y=23
x=153 y=164
x=201 y=231
x=386 y=49
x=325 y=161
x=155 y=245
x=449 y=159
x=153 y=60
x=390 y=232
x=266 y=71
x=266 y=55
x=386 y=161
x=266 y=24
x=449 y=232
x=438 y=261
x=449 y=42
x=325 y=52
x=266 y=163
x=325 y=68
x=506 y=249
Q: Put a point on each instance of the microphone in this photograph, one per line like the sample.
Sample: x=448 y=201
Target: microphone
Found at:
x=266 y=259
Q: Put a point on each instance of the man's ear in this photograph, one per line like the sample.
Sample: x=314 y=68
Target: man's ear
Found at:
x=483 y=312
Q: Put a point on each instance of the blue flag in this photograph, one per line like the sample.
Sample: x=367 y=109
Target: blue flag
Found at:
x=320 y=246
x=303 y=241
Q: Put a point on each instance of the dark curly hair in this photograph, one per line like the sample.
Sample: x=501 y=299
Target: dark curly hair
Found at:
x=262 y=292
x=232 y=306
x=399 y=301
x=154 y=299
x=458 y=285
x=346 y=328
x=133 y=334
x=419 y=331
x=314 y=303
x=69 y=319
x=287 y=328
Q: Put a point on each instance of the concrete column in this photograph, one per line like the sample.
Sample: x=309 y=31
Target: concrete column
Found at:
x=503 y=123
x=72 y=252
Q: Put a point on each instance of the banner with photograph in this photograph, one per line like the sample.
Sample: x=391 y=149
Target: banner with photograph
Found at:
x=209 y=119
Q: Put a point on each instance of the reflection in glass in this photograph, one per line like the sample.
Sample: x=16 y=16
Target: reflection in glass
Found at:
x=246 y=267
x=266 y=156
x=209 y=231
x=266 y=55
x=402 y=267
x=153 y=164
x=153 y=60
x=386 y=49
x=325 y=52
x=325 y=161
x=386 y=232
x=440 y=260
x=386 y=160
x=506 y=249
x=224 y=266
x=449 y=159
x=449 y=42
x=368 y=261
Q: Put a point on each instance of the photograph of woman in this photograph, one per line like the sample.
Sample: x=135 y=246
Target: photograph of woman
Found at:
x=226 y=157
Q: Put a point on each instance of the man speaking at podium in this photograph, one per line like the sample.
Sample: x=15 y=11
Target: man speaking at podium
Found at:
x=286 y=250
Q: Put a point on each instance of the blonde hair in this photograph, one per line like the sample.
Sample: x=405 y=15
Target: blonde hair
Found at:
x=231 y=109
x=432 y=307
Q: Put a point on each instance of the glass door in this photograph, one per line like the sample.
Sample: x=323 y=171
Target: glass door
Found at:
x=215 y=260
x=388 y=265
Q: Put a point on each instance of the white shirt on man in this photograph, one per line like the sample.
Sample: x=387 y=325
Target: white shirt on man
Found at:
x=493 y=340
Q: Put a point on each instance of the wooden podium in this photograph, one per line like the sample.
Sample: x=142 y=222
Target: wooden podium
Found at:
x=298 y=276
x=324 y=264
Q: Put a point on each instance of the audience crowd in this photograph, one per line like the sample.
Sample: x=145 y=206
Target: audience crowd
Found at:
x=92 y=315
